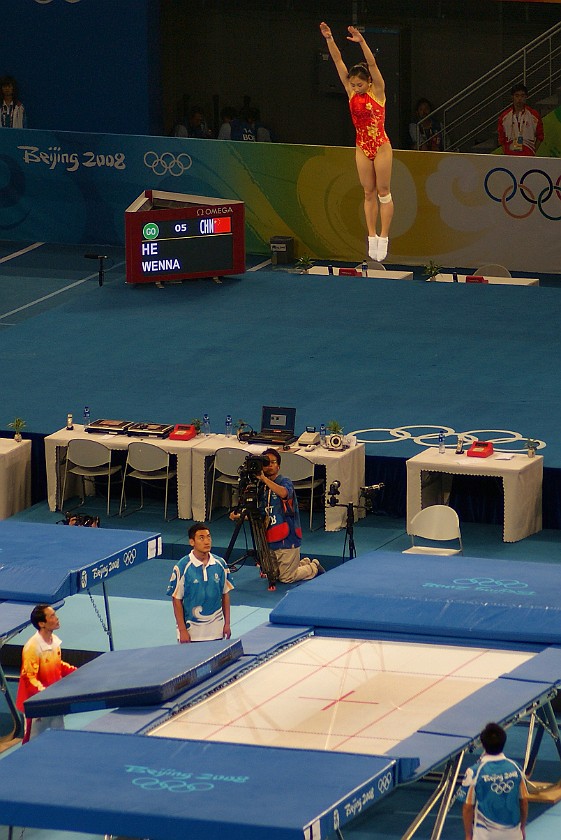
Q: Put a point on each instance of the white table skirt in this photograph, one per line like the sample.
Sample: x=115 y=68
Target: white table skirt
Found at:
x=346 y=466
x=521 y=477
x=55 y=455
x=15 y=476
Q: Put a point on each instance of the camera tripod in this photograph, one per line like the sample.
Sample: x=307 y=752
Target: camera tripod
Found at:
x=261 y=551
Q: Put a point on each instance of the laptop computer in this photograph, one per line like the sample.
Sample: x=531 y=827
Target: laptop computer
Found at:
x=277 y=426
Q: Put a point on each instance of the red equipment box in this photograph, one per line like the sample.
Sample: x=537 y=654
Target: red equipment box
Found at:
x=177 y=236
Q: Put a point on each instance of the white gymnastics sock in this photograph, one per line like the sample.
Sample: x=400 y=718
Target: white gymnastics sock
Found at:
x=373 y=247
x=383 y=243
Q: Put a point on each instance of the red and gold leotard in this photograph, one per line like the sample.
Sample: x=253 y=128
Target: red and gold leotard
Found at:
x=368 y=117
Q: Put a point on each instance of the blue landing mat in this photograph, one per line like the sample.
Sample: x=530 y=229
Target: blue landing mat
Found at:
x=468 y=599
x=46 y=563
x=139 y=677
x=169 y=790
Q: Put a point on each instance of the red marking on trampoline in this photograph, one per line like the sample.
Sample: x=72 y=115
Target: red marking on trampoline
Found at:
x=342 y=699
x=320 y=668
x=413 y=697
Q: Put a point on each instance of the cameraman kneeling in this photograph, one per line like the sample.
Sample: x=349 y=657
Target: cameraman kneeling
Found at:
x=277 y=501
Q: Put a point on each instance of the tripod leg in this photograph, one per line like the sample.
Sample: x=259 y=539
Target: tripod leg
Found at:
x=264 y=556
x=231 y=544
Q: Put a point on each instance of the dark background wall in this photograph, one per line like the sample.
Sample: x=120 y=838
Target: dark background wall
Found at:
x=135 y=66
x=91 y=65
x=271 y=52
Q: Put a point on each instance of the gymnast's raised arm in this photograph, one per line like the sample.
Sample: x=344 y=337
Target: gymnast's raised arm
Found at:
x=378 y=84
x=335 y=54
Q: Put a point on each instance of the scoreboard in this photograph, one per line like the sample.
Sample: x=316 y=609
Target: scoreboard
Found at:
x=176 y=236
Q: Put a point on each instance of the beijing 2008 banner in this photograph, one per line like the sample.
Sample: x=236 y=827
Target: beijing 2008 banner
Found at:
x=456 y=209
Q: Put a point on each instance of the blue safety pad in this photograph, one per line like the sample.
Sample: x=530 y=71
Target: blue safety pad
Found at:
x=134 y=721
x=269 y=638
x=169 y=789
x=138 y=677
x=46 y=563
x=500 y=701
x=543 y=668
x=433 y=750
x=13 y=618
x=459 y=598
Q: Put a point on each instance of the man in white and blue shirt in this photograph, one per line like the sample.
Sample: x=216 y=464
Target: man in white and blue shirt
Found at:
x=200 y=591
x=494 y=793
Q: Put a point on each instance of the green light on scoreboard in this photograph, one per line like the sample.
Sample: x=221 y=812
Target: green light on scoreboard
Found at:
x=150 y=230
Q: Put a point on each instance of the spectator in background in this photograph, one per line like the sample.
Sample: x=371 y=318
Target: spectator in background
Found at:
x=246 y=127
x=227 y=115
x=12 y=112
x=425 y=132
x=520 y=127
x=195 y=126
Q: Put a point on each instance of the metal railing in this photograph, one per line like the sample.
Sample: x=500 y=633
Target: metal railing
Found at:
x=470 y=117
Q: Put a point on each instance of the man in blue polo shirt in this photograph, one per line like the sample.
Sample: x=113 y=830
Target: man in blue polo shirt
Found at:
x=200 y=591
x=494 y=793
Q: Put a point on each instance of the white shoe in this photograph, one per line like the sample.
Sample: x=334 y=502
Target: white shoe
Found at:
x=373 y=247
x=383 y=243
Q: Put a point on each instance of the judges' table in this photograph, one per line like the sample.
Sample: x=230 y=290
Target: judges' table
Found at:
x=15 y=476
x=521 y=478
x=346 y=466
x=55 y=456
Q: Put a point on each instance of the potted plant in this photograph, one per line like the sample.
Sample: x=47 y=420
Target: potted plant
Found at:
x=531 y=446
x=334 y=428
x=18 y=425
x=304 y=263
x=431 y=270
x=197 y=423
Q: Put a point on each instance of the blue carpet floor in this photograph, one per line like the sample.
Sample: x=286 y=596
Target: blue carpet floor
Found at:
x=369 y=353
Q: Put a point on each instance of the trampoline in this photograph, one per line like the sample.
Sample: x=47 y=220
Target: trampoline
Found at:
x=304 y=726
x=48 y=563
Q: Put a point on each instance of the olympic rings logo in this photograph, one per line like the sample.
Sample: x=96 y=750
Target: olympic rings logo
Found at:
x=168 y=163
x=129 y=557
x=502 y=787
x=172 y=785
x=385 y=783
x=486 y=583
x=430 y=438
x=543 y=190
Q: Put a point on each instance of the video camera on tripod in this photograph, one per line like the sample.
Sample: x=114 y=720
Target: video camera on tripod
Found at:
x=247 y=509
x=247 y=482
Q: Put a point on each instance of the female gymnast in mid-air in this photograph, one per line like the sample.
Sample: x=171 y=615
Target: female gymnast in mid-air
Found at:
x=367 y=100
